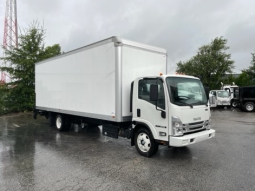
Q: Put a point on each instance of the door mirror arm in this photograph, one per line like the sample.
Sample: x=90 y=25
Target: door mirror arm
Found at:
x=154 y=97
x=163 y=113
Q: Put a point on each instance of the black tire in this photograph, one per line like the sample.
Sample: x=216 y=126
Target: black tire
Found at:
x=60 y=122
x=155 y=149
x=52 y=120
x=234 y=103
x=249 y=106
x=145 y=143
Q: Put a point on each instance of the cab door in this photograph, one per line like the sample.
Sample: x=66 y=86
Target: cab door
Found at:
x=153 y=114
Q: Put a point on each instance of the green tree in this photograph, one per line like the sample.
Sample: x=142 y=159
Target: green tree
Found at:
x=250 y=72
x=210 y=64
x=19 y=94
x=2 y=98
x=244 y=79
x=229 y=79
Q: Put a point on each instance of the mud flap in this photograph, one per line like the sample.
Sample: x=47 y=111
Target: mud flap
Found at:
x=110 y=131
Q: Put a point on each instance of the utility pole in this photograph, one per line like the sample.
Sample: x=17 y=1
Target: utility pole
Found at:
x=10 y=39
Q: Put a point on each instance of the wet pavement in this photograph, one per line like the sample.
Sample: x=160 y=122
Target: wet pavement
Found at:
x=34 y=156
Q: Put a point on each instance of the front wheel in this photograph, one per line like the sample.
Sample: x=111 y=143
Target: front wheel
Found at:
x=234 y=104
x=249 y=106
x=145 y=143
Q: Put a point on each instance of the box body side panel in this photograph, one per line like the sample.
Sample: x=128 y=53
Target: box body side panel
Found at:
x=82 y=82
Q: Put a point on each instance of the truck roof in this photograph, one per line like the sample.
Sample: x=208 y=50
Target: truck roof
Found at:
x=181 y=76
x=171 y=75
x=118 y=42
x=139 y=45
x=251 y=86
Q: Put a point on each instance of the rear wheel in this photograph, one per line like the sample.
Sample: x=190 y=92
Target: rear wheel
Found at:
x=249 y=106
x=60 y=122
x=145 y=143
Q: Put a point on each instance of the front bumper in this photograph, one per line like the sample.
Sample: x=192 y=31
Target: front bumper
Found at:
x=191 y=138
x=223 y=103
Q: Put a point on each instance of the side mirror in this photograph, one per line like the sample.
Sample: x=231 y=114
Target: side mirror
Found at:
x=207 y=92
x=153 y=92
x=163 y=114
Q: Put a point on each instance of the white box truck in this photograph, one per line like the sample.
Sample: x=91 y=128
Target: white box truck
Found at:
x=119 y=84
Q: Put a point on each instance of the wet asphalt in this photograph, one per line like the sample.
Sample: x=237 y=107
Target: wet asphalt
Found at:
x=34 y=156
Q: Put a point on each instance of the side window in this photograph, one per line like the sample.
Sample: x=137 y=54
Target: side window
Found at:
x=144 y=91
x=228 y=90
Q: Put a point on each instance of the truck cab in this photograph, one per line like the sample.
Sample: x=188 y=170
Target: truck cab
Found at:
x=232 y=89
x=223 y=98
x=170 y=110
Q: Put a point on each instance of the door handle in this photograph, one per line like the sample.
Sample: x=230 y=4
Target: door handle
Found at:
x=138 y=113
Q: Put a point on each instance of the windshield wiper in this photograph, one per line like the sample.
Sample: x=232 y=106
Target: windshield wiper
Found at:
x=200 y=102
x=191 y=106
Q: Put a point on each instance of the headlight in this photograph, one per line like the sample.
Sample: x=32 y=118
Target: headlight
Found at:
x=177 y=126
x=207 y=124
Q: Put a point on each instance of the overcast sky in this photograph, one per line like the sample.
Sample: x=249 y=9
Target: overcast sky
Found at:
x=179 y=26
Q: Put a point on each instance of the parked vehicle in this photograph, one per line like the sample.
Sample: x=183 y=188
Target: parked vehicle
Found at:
x=119 y=84
x=231 y=89
x=222 y=97
x=212 y=101
x=245 y=97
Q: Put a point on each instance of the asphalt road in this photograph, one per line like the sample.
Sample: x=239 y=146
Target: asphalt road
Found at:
x=36 y=157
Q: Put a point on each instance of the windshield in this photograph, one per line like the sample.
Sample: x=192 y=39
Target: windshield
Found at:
x=186 y=91
x=223 y=94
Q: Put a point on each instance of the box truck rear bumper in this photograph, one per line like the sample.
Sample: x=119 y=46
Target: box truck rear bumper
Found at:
x=191 y=139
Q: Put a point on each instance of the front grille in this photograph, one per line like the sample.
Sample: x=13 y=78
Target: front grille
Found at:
x=192 y=127
x=197 y=123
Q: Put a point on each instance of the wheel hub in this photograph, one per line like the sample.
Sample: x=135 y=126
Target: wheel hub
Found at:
x=59 y=122
x=249 y=107
x=144 y=142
